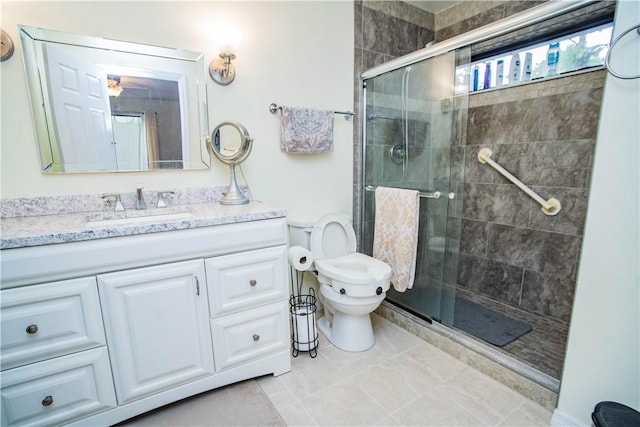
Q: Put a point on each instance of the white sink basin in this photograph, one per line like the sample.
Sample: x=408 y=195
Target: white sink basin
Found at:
x=149 y=216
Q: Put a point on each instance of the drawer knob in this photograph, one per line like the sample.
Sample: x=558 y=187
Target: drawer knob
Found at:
x=256 y=337
x=32 y=329
x=253 y=282
x=47 y=401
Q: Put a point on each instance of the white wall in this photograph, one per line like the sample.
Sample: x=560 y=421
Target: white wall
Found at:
x=297 y=53
x=603 y=350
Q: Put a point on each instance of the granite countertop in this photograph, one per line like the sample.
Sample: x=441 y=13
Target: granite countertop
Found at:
x=24 y=231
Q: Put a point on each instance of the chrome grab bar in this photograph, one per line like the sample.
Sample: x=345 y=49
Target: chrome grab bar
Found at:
x=427 y=195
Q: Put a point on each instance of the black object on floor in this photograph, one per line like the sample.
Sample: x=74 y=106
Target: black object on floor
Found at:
x=486 y=324
x=613 y=414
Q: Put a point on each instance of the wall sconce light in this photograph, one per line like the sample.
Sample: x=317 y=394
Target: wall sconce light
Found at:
x=227 y=38
x=222 y=70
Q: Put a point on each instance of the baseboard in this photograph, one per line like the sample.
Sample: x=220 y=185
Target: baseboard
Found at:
x=560 y=419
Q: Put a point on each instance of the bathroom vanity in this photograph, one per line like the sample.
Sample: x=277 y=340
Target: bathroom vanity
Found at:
x=105 y=319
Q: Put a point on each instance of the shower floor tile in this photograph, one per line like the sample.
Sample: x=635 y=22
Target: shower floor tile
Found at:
x=543 y=348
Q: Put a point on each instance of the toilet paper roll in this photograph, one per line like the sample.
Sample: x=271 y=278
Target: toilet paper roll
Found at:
x=305 y=332
x=300 y=258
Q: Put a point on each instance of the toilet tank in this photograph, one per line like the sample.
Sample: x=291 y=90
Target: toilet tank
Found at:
x=300 y=229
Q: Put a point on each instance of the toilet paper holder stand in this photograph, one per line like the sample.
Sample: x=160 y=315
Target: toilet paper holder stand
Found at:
x=302 y=308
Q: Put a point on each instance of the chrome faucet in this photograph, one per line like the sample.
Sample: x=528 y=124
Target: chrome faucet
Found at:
x=139 y=199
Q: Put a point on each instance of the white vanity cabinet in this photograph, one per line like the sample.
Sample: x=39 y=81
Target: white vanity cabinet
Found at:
x=128 y=324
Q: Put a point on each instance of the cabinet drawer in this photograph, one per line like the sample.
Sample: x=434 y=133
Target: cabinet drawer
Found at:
x=49 y=320
x=246 y=279
x=247 y=336
x=57 y=391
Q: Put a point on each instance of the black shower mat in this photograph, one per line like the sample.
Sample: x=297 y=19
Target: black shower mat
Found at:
x=486 y=324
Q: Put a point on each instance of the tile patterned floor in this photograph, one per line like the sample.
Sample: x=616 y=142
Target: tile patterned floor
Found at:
x=401 y=381
x=543 y=348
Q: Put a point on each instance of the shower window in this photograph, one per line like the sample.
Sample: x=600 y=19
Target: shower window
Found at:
x=578 y=51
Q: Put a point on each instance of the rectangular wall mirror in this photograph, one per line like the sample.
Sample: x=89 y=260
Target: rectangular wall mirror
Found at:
x=102 y=105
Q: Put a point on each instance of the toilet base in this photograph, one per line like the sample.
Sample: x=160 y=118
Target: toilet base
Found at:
x=348 y=332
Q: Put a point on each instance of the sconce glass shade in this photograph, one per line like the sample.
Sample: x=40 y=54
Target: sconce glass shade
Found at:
x=222 y=70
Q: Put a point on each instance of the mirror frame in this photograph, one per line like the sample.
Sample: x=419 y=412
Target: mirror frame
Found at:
x=44 y=123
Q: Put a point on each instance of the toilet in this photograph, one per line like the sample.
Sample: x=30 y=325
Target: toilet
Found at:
x=352 y=284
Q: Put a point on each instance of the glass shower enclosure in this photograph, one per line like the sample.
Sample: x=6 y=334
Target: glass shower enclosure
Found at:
x=413 y=125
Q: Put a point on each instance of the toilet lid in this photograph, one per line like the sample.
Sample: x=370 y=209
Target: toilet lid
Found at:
x=332 y=237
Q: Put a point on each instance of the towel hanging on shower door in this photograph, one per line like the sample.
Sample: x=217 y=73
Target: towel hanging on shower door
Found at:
x=395 y=237
x=306 y=131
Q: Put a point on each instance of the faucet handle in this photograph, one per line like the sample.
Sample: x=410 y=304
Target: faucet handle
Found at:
x=119 y=207
x=161 y=202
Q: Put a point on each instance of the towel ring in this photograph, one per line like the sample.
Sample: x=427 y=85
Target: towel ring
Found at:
x=606 y=59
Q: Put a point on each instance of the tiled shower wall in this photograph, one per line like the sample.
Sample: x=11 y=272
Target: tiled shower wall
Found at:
x=468 y=15
x=387 y=29
x=543 y=132
x=383 y=30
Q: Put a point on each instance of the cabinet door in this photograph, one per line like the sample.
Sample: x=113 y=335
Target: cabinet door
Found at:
x=49 y=320
x=156 y=319
x=247 y=279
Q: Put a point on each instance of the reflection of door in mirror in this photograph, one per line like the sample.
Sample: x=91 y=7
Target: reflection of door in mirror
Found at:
x=81 y=108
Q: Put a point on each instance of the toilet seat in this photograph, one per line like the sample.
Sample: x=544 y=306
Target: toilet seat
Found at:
x=332 y=237
x=333 y=245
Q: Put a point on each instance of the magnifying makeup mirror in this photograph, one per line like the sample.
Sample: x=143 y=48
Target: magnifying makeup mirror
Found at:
x=231 y=144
